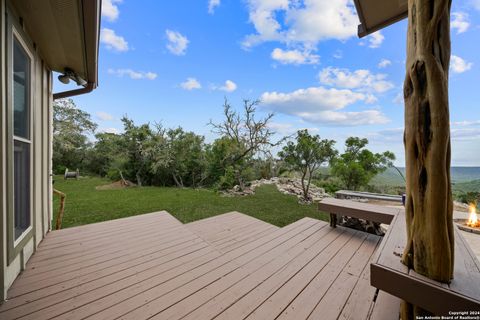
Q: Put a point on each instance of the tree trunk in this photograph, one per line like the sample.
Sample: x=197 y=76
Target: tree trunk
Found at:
x=310 y=175
x=304 y=188
x=241 y=183
x=429 y=208
x=178 y=183
x=124 y=182
x=139 y=179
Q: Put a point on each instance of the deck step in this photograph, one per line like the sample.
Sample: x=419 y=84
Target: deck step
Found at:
x=231 y=266
x=231 y=230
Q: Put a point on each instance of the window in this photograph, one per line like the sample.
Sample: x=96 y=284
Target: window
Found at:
x=21 y=139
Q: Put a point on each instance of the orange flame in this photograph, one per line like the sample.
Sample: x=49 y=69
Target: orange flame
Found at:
x=472 y=217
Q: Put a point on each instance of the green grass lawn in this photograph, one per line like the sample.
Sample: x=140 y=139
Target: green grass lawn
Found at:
x=85 y=204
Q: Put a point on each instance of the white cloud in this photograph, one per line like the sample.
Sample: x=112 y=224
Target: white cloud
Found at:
x=359 y=118
x=384 y=63
x=361 y=79
x=461 y=130
x=285 y=129
x=112 y=41
x=305 y=22
x=229 y=86
x=281 y=128
x=177 y=43
x=295 y=57
x=104 y=116
x=338 y=54
x=465 y=134
x=375 y=40
x=110 y=9
x=460 y=22
x=135 y=75
x=109 y=130
x=389 y=135
x=323 y=105
x=466 y=123
x=212 y=4
x=313 y=98
x=191 y=84
x=459 y=65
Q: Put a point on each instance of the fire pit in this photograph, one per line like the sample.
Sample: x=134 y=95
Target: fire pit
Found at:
x=472 y=224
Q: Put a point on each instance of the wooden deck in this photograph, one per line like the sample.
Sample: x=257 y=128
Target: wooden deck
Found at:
x=230 y=266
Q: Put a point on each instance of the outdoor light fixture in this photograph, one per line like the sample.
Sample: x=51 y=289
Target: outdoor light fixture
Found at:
x=377 y=14
x=70 y=74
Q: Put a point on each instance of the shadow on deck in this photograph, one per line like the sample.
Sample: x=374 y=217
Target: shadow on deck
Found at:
x=231 y=266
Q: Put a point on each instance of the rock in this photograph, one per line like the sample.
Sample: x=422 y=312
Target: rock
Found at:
x=285 y=186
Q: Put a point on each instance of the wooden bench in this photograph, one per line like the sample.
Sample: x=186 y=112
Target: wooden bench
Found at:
x=387 y=273
x=347 y=194
x=358 y=210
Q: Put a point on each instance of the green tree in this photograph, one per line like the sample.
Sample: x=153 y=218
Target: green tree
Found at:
x=71 y=127
x=306 y=155
x=183 y=156
x=358 y=165
x=469 y=197
x=242 y=137
x=106 y=154
x=136 y=140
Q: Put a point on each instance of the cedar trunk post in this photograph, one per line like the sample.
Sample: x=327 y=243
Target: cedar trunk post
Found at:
x=430 y=239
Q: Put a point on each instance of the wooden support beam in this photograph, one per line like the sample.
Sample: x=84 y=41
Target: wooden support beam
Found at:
x=430 y=238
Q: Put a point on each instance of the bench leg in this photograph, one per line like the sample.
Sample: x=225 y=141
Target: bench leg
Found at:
x=333 y=220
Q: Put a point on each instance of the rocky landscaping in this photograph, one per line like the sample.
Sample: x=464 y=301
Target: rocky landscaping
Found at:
x=293 y=186
x=289 y=186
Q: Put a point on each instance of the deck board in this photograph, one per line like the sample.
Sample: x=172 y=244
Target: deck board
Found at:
x=230 y=266
x=228 y=231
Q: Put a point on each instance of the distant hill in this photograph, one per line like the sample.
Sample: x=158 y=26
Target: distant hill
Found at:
x=469 y=186
x=463 y=178
x=463 y=174
x=390 y=177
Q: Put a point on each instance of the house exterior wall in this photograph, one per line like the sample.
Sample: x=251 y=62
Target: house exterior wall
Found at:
x=13 y=260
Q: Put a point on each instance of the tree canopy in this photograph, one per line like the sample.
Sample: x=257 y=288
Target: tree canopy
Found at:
x=150 y=154
x=242 y=137
x=306 y=155
x=358 y=165
x=71 y=127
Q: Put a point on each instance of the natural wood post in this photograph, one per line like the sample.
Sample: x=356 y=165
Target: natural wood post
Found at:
x=61 y=211
x=429 y=207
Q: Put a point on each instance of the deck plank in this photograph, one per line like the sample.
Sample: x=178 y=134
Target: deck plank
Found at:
x=228 y=232
x=210 y=301
x=85 y=264
x=299 y=296
x=110 y=295
x=333 y=302
x=387 y=307
x=159 y=298
x=230 y=266
x=272 y=275
x=360 y=301
x=120 y=248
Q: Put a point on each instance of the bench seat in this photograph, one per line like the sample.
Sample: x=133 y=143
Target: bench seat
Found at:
x=387 y=273
x=358 y=210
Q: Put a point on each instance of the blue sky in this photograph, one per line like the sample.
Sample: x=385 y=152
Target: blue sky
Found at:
x=174 y=62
